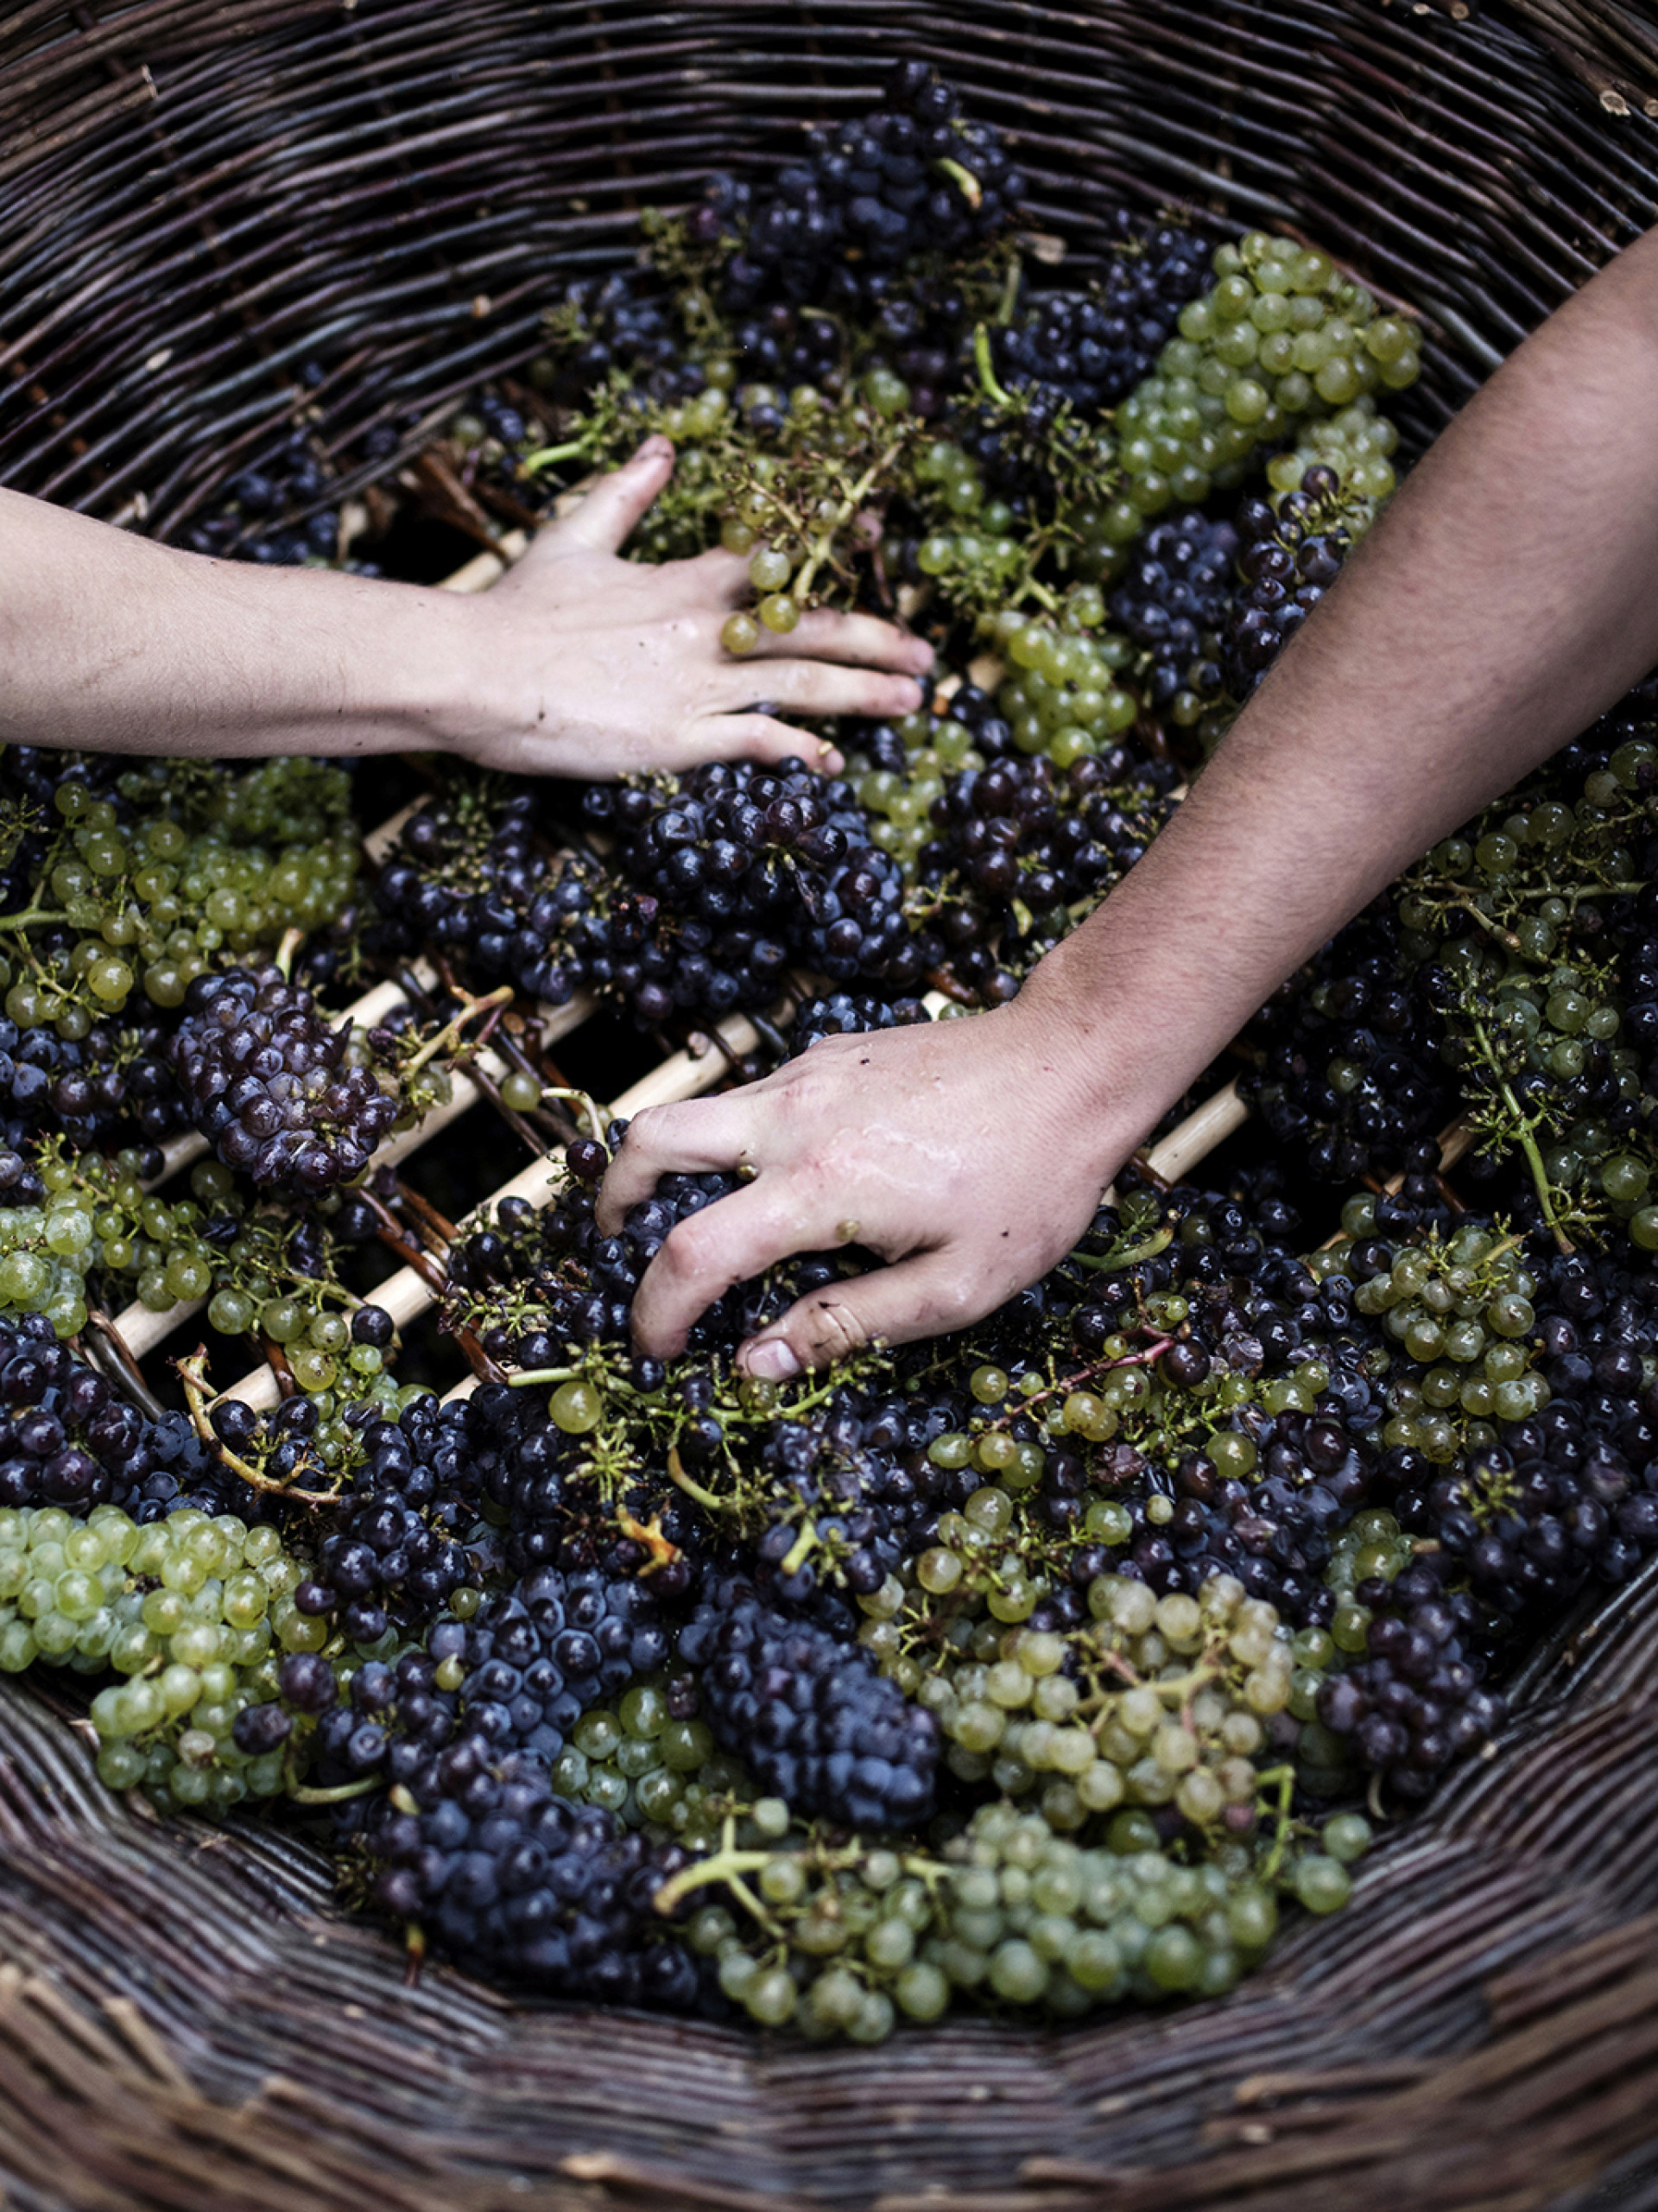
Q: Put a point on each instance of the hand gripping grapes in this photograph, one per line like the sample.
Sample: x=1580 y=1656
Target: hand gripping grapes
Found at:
x=1503 y=601
x=577 y=663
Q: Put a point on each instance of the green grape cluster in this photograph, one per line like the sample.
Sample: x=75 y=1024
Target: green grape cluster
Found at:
x=1061 y=695
x=1460 y=1310
x=1158 y=1702
x=95 y=1217
x=1511 y=916
x=652 y=1771
x=845 y=1941
x=154 y=899
x=1358 y=444
x=1280 y=336
x=898 y=803
x=194 y=1611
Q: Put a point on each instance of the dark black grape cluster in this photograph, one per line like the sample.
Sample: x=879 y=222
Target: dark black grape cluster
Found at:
x=1418 y=1699
x=266 y=1083
x=811 y=1719
x=469 y=876
x=1175 y=602
x=626 y=326
x=1013 y=845
x=526 y=1887
x=1092 y=347
x=740 y=869
x=394 y=1551
x=88 y=1086
x=850 y=1013
x=245 y=521
x=1353 y=1073
x=67 y=1439
x=1289 y=554
x=908 y=183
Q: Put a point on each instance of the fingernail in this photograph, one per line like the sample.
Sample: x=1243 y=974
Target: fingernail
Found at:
x=914 y=696
x=772 y=1360
x=921 y=653
x=656 y=448
x=829 y=761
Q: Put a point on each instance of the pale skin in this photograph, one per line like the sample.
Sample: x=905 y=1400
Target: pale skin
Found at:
x=1506 y=599
x=577 y=663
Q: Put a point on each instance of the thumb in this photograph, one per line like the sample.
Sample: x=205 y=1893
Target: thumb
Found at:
x=917 y=1297
x=616 y=501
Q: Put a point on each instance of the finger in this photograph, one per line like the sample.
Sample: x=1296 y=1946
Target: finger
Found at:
x=616 y=501
x=824 y=688
x=759 y=736
x=717 y=574
x=690 y=1138
x=861 y=640
x=921 y=1296
x=728 y=1242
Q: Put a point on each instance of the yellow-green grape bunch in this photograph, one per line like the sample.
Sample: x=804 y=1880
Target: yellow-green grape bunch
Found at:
x=899 y=800
x=1159 y=1702
x=154 y=904
x=193 y=1613
x=973 y=552
x=844 y=1942
x=829 y=1938
x=86 y=1218
x=1358 y=443
x=1280 y=336
x=1061 y=695
x=1461 y=1312
x=635 y=1760
x=803 y=497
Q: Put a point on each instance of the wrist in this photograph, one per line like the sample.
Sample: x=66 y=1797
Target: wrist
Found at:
x=1083 y=1055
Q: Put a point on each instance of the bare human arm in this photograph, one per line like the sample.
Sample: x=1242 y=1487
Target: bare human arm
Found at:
x=1509 y=595
x=577 y=664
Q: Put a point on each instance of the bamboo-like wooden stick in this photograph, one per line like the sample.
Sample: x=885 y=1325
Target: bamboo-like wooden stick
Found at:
x=405 y=1295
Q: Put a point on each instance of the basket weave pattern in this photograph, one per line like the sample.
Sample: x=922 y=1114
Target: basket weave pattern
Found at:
x=199 y=201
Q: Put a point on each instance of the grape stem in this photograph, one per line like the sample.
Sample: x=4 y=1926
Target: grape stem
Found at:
x=963 y=180
x=1524 y=1134
x=803 y=1545
x=573 y=449
x=1282 y=1779
x=843 y=515
x=191 y=1374
x=449 y=1036
x=692 y=1488
x=32 y=917
x=727 y=1864
x=595 y=1121
x=1142 y=1358
x=663 y=1551
x=302 y=1794
x=1108 y=1263
x=991 y=385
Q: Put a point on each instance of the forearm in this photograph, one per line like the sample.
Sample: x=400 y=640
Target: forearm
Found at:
x=1505 y=599
x=114 y=644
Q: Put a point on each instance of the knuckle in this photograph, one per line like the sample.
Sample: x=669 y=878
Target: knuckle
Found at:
x=832 y=1330
x=684 y=1256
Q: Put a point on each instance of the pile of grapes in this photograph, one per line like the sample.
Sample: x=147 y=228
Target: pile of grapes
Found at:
x=1045 y=1666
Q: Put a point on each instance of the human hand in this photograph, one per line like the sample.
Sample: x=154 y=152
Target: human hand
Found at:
x=969 y=1155
x=586 y=664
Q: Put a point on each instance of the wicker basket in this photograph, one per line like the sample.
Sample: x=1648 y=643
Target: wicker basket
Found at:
x=203 y=197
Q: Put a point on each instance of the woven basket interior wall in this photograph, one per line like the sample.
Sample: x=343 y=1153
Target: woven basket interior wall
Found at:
x=195 y=201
